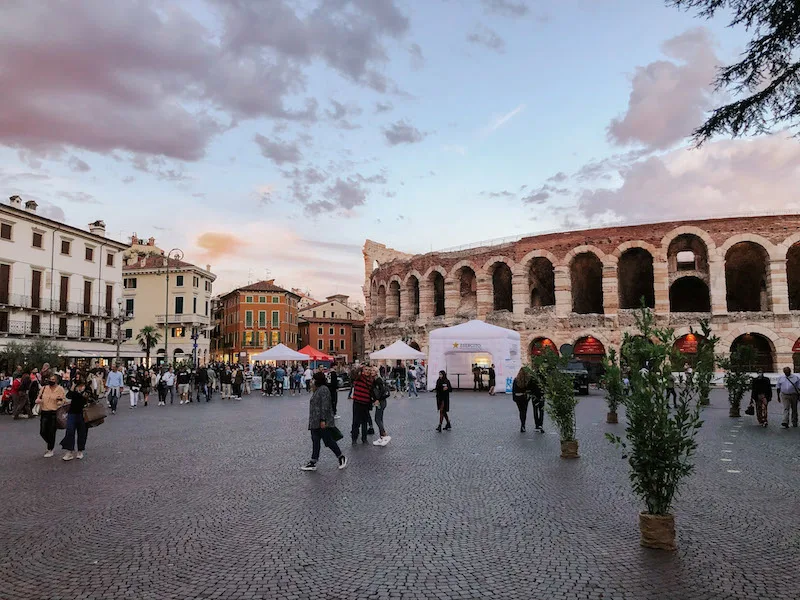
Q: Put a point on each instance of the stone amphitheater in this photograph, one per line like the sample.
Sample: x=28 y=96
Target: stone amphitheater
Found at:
x=582 y=287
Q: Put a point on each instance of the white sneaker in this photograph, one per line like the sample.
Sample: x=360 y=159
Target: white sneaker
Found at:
x=79 y=456
x=48 y=454
x=181 y=402
x=68 y=455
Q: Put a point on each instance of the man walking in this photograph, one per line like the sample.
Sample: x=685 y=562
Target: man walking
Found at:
x=412 y=381
x=789 y=389
x=114 y=385
x=183 y=385
x=169 y=381
x=333 y=386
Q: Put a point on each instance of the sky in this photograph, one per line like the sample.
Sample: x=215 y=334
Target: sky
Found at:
x=270 y=138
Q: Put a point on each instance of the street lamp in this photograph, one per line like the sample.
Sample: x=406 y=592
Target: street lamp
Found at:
x=177 y=254
x=120 y=320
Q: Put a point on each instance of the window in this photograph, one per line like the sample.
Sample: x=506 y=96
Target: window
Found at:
x=330 y=331
x=323 y=314
x=178 y=305
x=90 y=253
x=128 y=334
x=36 y=324
x=5 y=231
x=4 y=322
x=38 y=239
x=62 y=326
x=349 y=315
x=341 y=331
x=341 y=344
x=248 y=318
x=179 y=332
x=276 y=300
x=262 y=318
x=320 y=345
x=196 y=282
x=109 y=260
x=262 y=299
x=319 y=330
x=276 y=337
x=333 y=315
x=129 y=306
x=36 y=289
x=179 y=280
x=87 y=328
x=206 y=307
x=331 y=345
x=194 y=305
x=109 y=333
x=66 y=247
x=129 y=284
x=248 y=299
x=276 y=318
x=314 y=314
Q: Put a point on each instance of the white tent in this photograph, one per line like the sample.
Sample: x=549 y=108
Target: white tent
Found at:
x=397 y=351
x=455 y=349
x=280 y=353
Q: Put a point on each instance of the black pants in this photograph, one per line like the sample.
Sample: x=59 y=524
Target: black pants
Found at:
x=47 y=427
x=334 y=400
x=360 y=419
x=162 y=394
x=671 y=393
x=323 y=435
x=237 y=389
x=522 y=406
x=538 y=413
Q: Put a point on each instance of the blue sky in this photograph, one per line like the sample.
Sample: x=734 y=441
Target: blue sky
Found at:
x=279 y=135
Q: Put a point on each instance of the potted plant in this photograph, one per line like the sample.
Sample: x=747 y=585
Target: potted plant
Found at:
x=612 y=382
x=737 y=379
x=659 y=442
x=559 y=391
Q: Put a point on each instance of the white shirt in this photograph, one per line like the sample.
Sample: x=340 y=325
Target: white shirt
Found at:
x=114 y=379
x=308 y=374
x=169 y=378
x=785 y=384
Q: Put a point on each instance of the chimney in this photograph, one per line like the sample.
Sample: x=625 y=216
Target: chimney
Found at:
x=134 y=240
x=98 y=228
x=31 y=205
x=151 y=241
x=15 y=201
x=208 y=268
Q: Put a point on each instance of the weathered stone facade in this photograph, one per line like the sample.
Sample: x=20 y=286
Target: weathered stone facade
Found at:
x=741 y=273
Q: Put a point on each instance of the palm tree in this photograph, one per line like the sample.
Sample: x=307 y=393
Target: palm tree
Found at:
x=148 y=338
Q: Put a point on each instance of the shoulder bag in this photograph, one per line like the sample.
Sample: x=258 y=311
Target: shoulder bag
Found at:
x=94 y=414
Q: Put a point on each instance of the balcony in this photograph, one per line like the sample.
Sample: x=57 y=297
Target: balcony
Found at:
x=187 y=319
x=16 y=328
x=18 y=301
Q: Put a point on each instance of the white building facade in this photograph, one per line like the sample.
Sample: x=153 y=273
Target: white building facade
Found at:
x=58 y=282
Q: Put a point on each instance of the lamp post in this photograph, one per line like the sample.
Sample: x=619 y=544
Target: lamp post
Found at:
x=177 y=254
x=120 y=320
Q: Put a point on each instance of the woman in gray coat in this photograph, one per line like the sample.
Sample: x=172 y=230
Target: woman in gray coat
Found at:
x=320 y=420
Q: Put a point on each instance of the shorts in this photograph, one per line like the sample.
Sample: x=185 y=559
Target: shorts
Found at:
x=183 y=388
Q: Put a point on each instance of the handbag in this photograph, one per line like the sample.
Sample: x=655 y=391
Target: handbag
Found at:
x=335 y=433
x=36 y=409
x=61 y=416
x=94 y=413
x=750 y=410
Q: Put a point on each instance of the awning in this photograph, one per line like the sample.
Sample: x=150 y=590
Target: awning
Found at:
x=315 y=354
x=397 y=351
x=280 y=353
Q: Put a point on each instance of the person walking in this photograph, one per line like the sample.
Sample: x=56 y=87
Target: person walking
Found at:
x=519 y=393
x=789 y=389
x=162 y=387
x=225 y=382
x=183 y=379
x=237 y=379
x=492 y=380
x=477 y=385
x=50 y=400
x=169 y=380
x=201 y=380
x=412 y=381
x=760 y=396
x=280 y=376
x=307 y=375
x=19 y=394
x=133 y=388
x=443 y=388
x=248 y=380
x=77 y=398
x=362 y=399
x=114 y=385
x=212 y=383
x=380 y=395
x=333 y=387
x=320 y=421
x=146 y=381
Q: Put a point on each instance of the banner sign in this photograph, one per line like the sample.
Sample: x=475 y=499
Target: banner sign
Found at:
x=687 y=344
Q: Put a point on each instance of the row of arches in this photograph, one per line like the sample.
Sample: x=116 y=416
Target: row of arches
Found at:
x=748 y=283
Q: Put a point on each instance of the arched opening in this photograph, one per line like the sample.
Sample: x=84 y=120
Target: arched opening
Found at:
x=468 y=292
x=412 y=287
x=687 y=253
x=540 y=345
x=793 y=276
x=393 y=300
x=764 y=355
x=687 y=346
x=635 y=279
x=746 y=280
x=381 y=301
x=541 y=282
x=590 y=351
x=373 y=300
x=437 y=287
x=586 y=275
x=689 y=294
x=501 y=287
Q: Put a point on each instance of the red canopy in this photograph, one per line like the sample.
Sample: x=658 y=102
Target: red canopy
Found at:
x=315 y=354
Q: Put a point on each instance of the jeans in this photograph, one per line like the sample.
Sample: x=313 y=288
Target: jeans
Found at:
x=75 y=424
x=412 y=388
x=360 y=420
x=379 y=417
x=171 y=389
x=522 y=406
x=113 y=397
x=538 y=413
x=226 y=390
x=47 y=427
x=279 y=386
x=323 y=435
x=398 y=385
x=789 y=408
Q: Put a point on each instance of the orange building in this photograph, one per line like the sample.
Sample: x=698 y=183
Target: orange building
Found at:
x=333 y=327
x=255 y=317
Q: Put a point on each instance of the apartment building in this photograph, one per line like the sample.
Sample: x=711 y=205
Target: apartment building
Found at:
x=59 y=282
x=256 y=317
x=182 y=313
x=334 y=327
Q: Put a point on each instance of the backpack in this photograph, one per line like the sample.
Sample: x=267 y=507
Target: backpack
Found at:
x=379 y=390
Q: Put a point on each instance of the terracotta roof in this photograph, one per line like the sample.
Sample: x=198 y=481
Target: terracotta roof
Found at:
x=260 y=286
x=321 y=320
x=157 y=262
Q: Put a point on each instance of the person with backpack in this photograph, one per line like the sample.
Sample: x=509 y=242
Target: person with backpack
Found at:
x=380 y=394
x=362 y=400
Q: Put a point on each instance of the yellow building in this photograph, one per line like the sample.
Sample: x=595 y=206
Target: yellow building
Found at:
x=182 y=316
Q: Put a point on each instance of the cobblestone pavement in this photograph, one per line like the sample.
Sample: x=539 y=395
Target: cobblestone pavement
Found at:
x=208 y=502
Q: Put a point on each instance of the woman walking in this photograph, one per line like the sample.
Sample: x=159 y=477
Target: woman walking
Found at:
x=519 y=393
x=760 y=396
x=50 y=400
x=78 y=399
x=443 y=388
x=492 y=380
x=320 y=420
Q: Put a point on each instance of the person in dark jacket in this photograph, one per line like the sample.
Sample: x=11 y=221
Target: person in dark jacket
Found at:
x=362 y=402
x=201 y=381
x=519 y=393
x=78 y=398
x=320 y=421
x=761 y=394
x=443 y=387
x=492 y=380
x=333 y=387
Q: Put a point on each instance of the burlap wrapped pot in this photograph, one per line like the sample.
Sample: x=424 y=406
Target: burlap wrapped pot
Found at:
x=569 y=449
x=657 y=531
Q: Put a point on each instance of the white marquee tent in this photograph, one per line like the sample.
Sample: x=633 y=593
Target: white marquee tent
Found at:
x=280 y=353
x=455 y=349
x=397 y=351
